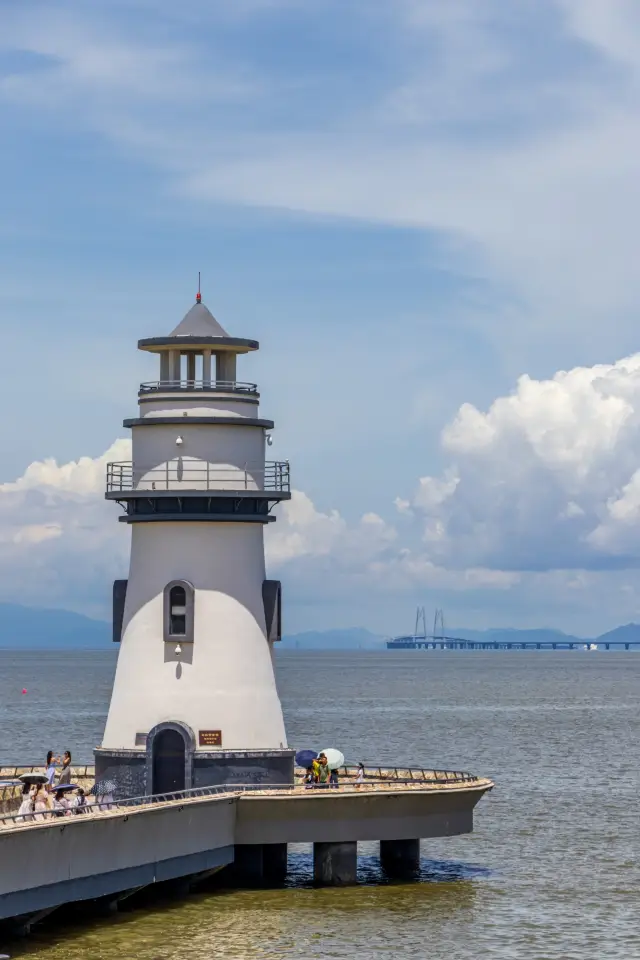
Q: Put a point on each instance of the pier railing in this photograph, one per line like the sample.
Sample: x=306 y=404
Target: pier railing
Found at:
x=372 y=772
x=183 y=475
x=208 y=386
x=372 y=783
x=376 y=778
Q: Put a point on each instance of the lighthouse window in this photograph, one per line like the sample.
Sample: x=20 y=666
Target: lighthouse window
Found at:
x=178 y=611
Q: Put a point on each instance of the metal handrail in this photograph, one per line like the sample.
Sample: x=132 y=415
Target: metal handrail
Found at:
x=371 y=781
x=224 y=386
x=181 y=475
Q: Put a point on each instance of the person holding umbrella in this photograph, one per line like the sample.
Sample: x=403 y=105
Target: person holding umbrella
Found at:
x=324 y=773
x=60 y=804
x=27 y=806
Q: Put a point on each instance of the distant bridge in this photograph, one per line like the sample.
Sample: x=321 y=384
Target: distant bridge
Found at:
x=438 y=640
x=459 y=643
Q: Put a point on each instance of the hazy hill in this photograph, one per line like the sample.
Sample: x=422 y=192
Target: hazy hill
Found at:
x=355 y=638
x=34 y=628
x=630 y=633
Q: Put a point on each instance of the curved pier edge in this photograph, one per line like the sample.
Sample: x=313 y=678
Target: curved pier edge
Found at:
x=110 y=855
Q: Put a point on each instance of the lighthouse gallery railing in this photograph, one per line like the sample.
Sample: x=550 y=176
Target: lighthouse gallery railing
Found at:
x=221 y=386
x=183 y=475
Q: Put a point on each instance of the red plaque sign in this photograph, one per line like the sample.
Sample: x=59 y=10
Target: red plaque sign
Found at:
x=210 y=738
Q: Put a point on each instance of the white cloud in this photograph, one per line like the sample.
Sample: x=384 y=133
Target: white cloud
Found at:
x=546 y=479
x=539 y=506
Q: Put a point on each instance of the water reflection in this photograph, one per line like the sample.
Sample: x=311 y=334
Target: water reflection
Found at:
x=297 y=921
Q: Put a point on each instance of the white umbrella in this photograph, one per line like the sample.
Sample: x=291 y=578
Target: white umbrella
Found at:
x=335 y=759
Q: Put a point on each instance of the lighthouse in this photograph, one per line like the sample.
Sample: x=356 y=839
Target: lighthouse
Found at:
x=194 y=700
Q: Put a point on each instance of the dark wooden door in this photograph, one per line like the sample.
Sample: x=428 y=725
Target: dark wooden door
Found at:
x=168 y=762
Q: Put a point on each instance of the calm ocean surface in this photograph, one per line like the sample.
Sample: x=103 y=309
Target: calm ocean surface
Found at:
x=552 y=870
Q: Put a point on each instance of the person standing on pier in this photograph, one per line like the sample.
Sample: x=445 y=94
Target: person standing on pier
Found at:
x=324 y=773
x=65 y=773
x=27 y=806
x=50 y=769
x=41 y=803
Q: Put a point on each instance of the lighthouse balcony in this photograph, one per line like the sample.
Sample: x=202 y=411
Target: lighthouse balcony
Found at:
x=181 y=476
x=198 y=386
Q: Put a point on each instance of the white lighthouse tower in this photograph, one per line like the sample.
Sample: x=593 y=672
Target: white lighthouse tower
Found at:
x=194 y=699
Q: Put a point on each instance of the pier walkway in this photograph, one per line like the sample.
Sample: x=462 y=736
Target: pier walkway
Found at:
x=112 y=851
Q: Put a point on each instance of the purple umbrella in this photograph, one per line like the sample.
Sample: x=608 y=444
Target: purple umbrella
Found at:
x=304 y=758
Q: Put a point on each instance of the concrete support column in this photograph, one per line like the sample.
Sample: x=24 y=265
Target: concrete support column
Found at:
x=335 y=864
x=226 y=367
x=274 y=863
x=165 y=365
x=206 y=366
x=248 y=864
x=174 y=365
x=400 y=858
x=191 y=366
x=260 y=864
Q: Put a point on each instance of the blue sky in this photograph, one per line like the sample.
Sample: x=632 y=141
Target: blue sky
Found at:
x=412 y=205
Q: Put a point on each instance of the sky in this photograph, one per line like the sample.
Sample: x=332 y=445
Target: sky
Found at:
x=426 y=212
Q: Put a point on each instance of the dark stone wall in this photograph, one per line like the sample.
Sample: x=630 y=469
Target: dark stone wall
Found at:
x=131 y=770
x=242 y=767
x=128 y=769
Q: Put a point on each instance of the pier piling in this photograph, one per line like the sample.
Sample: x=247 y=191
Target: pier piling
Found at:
x=400 y=858
x=335 y=864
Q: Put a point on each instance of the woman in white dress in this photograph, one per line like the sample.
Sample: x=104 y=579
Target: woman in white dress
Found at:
x=41 y=803
x=27 y=806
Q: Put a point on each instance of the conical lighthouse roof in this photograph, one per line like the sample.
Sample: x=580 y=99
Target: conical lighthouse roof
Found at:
x=198 y=329
x=199 y=322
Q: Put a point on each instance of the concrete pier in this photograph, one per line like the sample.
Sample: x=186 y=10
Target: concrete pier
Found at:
x=275 y=861
x=109 y=855
x=335 y=864
x=400 y=858
x=259 y=864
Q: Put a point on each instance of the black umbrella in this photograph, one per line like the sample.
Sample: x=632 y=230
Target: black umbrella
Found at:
x=66 y=786
x=33 y=778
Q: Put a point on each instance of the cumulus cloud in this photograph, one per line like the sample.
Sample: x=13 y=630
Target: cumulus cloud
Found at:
x=61 y=544
x=539 y=500
x=547 y=478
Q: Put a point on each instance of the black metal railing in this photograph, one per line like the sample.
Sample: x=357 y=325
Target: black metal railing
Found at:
x=375 y=777
x=182 y=475
x=209 y=386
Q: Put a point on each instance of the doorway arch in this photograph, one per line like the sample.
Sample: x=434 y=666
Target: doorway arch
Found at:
x=170 y=749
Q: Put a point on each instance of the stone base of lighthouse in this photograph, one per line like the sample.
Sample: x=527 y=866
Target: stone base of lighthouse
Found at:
x=139 y=773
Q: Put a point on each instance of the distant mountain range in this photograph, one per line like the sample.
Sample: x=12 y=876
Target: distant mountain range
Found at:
x=33 y=628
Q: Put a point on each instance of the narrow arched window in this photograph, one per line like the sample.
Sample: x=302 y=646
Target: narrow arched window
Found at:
x=178 y=612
